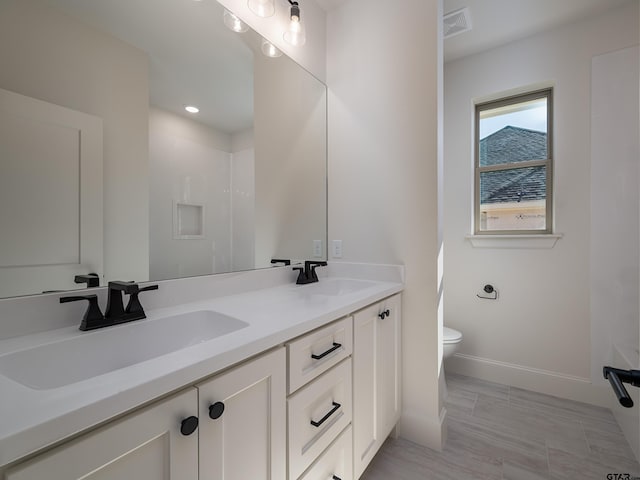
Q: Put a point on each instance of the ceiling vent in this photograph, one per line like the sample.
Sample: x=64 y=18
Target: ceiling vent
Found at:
x=456 y=22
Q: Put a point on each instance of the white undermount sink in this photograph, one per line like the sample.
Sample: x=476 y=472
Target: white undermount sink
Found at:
x=102 y=351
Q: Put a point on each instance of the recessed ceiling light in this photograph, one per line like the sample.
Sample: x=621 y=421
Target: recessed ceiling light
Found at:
x=191 y=109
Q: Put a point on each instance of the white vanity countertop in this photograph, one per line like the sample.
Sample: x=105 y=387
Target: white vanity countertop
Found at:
x=32 y=419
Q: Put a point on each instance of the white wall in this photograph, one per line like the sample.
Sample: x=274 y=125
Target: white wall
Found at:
x=537 y=335
x=290 y=123
x=192 y=163
x=615 y=151
x=382 y=79
x=104 y=77
x=243 y=234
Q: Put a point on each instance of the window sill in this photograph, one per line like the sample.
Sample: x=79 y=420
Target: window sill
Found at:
x=514 y=241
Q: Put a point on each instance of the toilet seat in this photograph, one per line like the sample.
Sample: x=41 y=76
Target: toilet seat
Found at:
x=449 y=335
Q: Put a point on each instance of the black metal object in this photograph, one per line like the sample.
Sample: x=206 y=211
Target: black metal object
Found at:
x=324 y=354
x=188 y=426
x=302 y=277
x=284 y=261
x=93 y=317
x=335 y=408
x=115 y=307
x=134 y=307
x=216 y=410
x=617 y=377
x=309 y=275
x=489 y=290
x=384 y=314
x=91 y=279
x=116 y=312
x=335 y=477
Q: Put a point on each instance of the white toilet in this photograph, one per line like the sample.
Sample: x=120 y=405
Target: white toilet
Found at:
x=450 y=341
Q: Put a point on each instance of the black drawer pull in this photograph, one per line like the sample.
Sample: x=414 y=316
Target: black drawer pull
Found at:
x=332 y=349
x=336 y=406
x=335 y=477
x=384 y=314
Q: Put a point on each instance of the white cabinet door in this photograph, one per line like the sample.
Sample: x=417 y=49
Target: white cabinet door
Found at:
x=243 y=421
x=376 y=378
x=146 y=445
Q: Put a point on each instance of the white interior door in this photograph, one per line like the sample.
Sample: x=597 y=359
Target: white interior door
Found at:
x=50 y=195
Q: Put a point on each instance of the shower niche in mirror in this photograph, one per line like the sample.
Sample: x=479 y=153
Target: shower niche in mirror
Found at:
x=249 y=169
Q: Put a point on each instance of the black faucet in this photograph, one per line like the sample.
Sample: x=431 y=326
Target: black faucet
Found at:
x=91 y=279
x=115 y=312
x=115 y=308
x=308 y=273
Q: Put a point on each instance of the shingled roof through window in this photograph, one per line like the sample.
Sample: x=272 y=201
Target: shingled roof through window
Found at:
x=511 y=145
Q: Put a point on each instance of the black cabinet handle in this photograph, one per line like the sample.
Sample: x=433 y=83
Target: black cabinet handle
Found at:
x=216 y=410
x=335 y=477
x=188 y=426
x=384 y=314
x=332 y=349
x=336 y=406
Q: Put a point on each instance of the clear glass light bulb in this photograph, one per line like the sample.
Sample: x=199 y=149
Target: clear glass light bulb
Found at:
x=262 y=8
x=269 y=49
x=234 y=23
x=295 y=34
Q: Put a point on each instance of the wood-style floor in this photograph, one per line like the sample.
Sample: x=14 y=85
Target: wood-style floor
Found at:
x=506 y=433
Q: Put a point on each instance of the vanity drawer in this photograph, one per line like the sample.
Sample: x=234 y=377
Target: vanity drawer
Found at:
x=318 y=351
x=317 y=414
x=335 y=462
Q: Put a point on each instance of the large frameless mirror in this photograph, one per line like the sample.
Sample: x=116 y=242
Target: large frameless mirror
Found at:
x=103 y=170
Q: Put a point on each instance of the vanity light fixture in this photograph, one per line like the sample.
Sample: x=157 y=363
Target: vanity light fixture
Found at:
x=234 y=23
x=269 y=49
x=262 y=8
x=295 y=33
x=191 y=108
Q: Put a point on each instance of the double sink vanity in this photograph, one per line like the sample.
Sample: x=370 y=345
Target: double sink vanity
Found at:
x=245 y=375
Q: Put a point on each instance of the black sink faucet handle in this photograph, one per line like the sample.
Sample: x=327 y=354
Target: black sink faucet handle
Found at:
x=93 y=317
x=302 y=277
x=91 y=279
x=126 y=287
x=285 y=261
x=310 y=269
x=134 y=306
x=115 y=306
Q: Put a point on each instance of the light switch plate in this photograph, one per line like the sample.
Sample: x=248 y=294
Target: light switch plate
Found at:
x=336 y=251
x=317 y=248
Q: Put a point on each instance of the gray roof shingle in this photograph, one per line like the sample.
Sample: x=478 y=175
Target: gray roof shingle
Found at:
x=511 y=145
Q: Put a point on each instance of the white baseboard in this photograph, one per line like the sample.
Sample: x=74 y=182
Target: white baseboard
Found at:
x=534 y=379
x=426 y=431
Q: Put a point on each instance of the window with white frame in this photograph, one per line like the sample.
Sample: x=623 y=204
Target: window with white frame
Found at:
x=513 y=165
